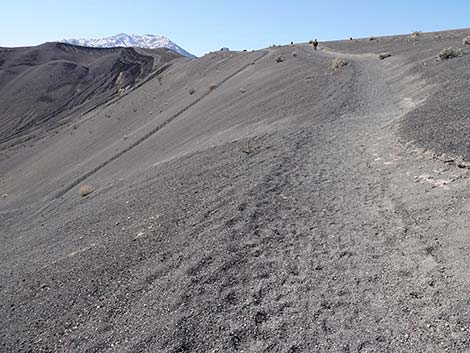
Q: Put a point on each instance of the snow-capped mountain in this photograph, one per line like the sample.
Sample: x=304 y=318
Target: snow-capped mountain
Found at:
x=149 y=41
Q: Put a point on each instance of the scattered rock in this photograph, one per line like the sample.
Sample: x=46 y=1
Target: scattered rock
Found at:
x=384 y=56
x=139 y=235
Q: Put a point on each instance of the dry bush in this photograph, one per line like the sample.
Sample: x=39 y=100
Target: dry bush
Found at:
x=85 y=190
x=248 y=148
x=449 y=53
x=384 y=56
x=279 y=59
x=338 y=63
x=466 y=40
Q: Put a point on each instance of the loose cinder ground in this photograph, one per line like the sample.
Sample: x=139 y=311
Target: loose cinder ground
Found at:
x=342 y=228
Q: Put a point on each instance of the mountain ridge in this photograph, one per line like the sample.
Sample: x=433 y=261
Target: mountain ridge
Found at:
x=148 y=41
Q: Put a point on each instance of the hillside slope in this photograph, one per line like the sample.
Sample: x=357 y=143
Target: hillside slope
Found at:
x=41 y=86
x=148 y=41
x=243 y=202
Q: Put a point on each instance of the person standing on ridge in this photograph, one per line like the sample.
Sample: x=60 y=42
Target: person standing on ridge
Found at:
x=315 y=44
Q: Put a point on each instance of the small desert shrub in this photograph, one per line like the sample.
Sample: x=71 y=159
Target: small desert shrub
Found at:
x=248 y=148
x=191 y=91
x=415 y=34
x=448 y=53
x=279 y=59
x=85 y=190
x=384 y=56
x=338 y=63
x=466 y=40
x=213 y=86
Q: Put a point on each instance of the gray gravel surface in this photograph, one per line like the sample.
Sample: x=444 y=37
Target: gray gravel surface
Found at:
x=286 y=210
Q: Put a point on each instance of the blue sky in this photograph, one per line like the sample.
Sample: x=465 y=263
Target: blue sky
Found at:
x=202 y=26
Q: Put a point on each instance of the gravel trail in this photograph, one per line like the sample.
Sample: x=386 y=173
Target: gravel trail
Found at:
x=325 y=235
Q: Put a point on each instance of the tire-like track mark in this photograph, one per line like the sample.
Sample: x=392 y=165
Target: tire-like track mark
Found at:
x=83 y=177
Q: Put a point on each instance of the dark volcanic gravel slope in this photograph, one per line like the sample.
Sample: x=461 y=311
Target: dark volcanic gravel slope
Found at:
x=273 y=209
x=441 y=124
x=40 y=85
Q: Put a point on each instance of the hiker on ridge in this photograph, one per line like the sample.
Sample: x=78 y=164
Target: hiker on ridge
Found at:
x=315 y=44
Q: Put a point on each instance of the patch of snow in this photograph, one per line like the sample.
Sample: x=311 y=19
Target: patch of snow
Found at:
x=148 y=41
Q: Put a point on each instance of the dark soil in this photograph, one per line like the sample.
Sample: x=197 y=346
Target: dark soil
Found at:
x=282 y=207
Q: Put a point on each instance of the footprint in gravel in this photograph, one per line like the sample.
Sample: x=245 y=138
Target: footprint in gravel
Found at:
x=440 y=183
x=260 y=317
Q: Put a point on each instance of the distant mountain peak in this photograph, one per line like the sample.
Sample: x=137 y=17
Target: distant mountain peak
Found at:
x=149 y=41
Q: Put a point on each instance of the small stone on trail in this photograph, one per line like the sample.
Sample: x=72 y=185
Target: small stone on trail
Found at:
x=140 y=234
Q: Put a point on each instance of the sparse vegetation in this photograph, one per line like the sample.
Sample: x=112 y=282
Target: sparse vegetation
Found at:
x=85 y=190
x=449 y=53
x=466 y=40
x=337 y=64
x=415 y=34
x=279 y=59
x=384 y=56
x=248 y=148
